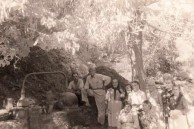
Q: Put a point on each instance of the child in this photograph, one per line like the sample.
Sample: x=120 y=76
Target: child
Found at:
x=127 y=118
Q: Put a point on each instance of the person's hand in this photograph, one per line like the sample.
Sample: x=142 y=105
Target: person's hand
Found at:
x=122 y=95
x=90 y=92
x=78 y=92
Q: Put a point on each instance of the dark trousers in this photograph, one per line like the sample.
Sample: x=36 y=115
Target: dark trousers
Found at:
x=79 y=98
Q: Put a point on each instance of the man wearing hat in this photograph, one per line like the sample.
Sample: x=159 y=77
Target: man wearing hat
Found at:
x=95 y=86
x=166 y=95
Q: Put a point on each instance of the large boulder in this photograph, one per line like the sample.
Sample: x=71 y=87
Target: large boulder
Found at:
x=111 y=73
x=69 y=99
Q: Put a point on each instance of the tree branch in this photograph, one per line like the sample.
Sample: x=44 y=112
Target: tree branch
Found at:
x=159 y=29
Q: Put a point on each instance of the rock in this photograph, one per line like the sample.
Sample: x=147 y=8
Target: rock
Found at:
x=69 y=99
x=4 y=114
x=24 y=102
x=9 y=105
x=113 y=74
x=21 y=114
x=59 y=105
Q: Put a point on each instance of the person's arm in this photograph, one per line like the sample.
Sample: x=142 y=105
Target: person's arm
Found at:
x=107 y=97
x=70 y=87
x=136 y=121
x=160 y=100
x=81 y=85
x=106 y=80
x=122 y=94
x=143 y=96
x=185 y=105
x=86 y=86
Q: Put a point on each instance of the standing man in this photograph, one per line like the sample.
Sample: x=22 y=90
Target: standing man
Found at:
x=166 y=95
x=95 y=84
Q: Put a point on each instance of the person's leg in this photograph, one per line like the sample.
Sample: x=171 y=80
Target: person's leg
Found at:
x=100 y=102
x=109 y=120
x=93 y=105
x=84 y=98
x=79 y=98
x=109 y=112
x=50 y=108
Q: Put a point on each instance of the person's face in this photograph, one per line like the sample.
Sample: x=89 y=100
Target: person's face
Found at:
x=75 y=77
x=146 y=107
x=115 y=83
x=135 y=86
x=92 y=71
x=176 y=90
x=127 y=108
x=151 y=87
x=128 y=89
x=168 y=84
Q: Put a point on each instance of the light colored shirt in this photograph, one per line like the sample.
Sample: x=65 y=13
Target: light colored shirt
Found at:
x=138 y=97
x=97 y=82
x=76 y=86
x=128 y=120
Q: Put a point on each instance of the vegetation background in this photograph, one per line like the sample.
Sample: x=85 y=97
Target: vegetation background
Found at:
x=138 y=38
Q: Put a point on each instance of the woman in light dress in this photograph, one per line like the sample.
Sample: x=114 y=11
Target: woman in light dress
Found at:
x=114 y=103
x=178 y=114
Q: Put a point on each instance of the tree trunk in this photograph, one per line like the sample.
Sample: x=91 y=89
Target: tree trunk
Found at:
x=139 y=67
x=137 y=49
x=130 y=52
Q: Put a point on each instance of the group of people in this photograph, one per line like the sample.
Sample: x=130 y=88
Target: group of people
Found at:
x=129 y=107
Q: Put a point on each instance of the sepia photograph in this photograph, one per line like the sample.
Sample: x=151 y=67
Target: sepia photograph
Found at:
x=96 y=64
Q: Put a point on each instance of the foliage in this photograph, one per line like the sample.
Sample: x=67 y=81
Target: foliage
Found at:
x=22 y=28
x=168 y=45
x=113 y=25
